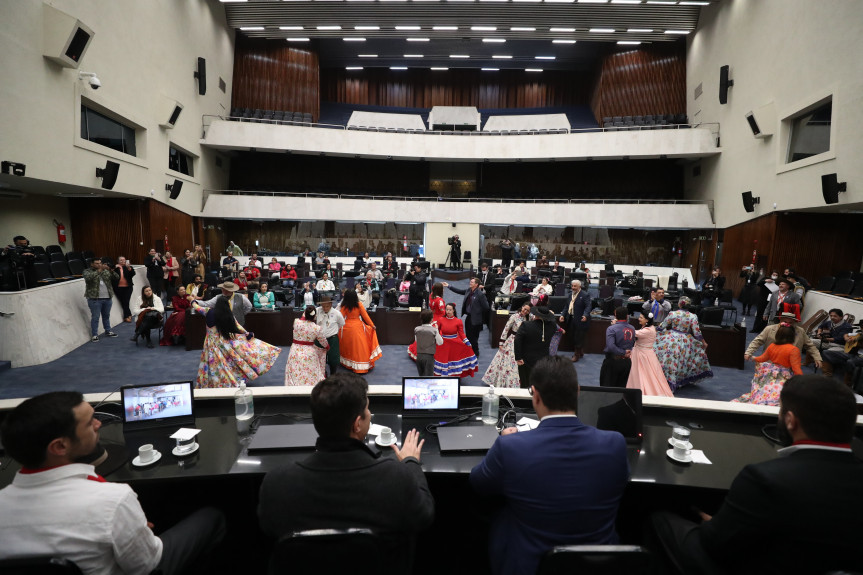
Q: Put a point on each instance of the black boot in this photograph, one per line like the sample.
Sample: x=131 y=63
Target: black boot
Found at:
x=135 y=337
x=149 y=342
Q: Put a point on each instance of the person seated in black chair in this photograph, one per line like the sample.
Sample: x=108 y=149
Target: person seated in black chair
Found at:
x=344 y=484
x=147 y=310
x=58 y=507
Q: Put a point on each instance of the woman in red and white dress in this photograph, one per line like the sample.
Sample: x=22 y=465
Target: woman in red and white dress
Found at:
x=455 y=357
x=438 y=307
x=306 y=361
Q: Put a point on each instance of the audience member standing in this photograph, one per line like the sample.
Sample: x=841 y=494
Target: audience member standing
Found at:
x=235 y=249
x=202 y=260
x=231 y=354
x=801 y=512
x=474 y=307
x=532 y=341
x=749 y=293
x=123 y=285
x=619 y=341
x=657 y=305
x=155 y=270
x=576 y=316
x=187 y=268
x=331 y=321
x=56 y=507
x=148 y=310
x=506 y=248
x=306 y=361
x=98 y=290
x=646 y=373
x=562 y=482
x=172 y=274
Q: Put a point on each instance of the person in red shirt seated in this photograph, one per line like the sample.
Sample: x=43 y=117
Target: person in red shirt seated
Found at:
x=288 y=276
x=252 y=273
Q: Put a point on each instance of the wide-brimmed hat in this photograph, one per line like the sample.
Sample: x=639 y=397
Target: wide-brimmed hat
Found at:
x=787 y=315
x=229 y=286
x=542 y=312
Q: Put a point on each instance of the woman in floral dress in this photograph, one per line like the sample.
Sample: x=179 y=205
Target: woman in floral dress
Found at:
x=503 y=371
x=779 y=363
x=307 y=361
x=358 y=340
x=680 y=348
x=455 y=357
x=230 y=354
x=438 y=307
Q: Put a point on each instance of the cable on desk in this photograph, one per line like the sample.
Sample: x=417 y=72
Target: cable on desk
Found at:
x=432 y=427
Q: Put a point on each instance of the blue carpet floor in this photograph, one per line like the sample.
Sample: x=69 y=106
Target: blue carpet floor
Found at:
x=114 y=362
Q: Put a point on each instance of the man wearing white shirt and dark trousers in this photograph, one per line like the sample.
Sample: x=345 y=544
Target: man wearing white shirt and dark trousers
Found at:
x=57 y=507
x=331 y=321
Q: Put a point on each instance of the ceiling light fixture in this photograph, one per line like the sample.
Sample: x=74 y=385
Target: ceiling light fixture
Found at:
x=414 y=56
x=522 y=29
x=628 y=42
x=353 y=67
x=417 y=39
x=546 y=57
x=290 y=27
x=490 y=69
x=367 y=27
x=563 y=41
x=626 y=1
x=602 y=30
x=367 y=55
x=459 y=56
x=483 y=28
x=494 y=40
x=398 y=67
x=408 y=28
x=640 y=30
x=533 y=69
x=251 y=28
x=354 y=39
x=502 y=57
x=444 y=27
x=677 y=32
x=298 y=39
x=439 y=69
x=329 y=27
x=561 y=29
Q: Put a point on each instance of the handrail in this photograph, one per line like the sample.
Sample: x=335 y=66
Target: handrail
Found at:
x=462 y=133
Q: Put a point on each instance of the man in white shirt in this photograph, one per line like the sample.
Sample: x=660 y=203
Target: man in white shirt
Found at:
x=324 y=284
x=331 y=321
x=57 y=507
x=373 y=269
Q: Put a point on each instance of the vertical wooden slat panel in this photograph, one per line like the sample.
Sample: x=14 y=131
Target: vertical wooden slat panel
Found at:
x=272 y=76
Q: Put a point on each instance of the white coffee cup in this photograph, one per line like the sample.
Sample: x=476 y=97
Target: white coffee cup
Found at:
x=146 y=453
x=386 y=435
x=681 y=450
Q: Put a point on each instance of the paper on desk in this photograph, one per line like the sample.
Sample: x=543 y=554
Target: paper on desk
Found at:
x=185 y=433
x=375 y=429
x=526 y=424
x=699 y=457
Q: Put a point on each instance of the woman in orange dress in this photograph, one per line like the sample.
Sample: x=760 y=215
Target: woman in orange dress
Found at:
x=438 y=307
x=779 y=363
x=358 y=340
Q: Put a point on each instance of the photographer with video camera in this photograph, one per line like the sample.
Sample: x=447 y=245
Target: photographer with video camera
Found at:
x=454 y=252
x=22 y=257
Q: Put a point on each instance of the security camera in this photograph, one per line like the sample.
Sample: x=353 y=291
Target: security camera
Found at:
x=94 y=81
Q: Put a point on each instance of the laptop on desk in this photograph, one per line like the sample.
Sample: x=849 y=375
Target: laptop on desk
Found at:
x=435 y=397
x=284 y=437
x=457 y=438
x=153 y=405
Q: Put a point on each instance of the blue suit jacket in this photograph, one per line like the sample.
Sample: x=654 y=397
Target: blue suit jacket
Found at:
x=562 y=483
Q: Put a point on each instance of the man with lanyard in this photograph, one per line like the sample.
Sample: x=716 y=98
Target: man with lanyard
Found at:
x=576 y=318
x=619 y=341
x=331 y=321
x=240 y=308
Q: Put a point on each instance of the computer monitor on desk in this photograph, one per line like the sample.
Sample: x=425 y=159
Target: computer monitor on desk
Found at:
x=435 y=397
x=612 y=408
x=157 y=405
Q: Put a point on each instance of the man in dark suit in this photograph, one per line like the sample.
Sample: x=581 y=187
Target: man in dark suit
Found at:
x=532 y=341
x=486 y=280
x=562 y=482
x=344 y=484
x=799 y=513
x=576 y=318
x=474 y=306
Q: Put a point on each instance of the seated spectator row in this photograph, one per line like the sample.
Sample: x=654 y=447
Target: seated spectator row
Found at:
x=266 y=116
x=657 y=121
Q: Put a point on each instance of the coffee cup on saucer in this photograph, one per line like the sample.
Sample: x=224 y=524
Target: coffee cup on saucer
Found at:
x=681 y=448
x=147 y=455
x=386 y=437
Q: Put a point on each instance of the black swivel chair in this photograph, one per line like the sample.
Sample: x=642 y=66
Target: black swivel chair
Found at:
x=355 y=551
x=595 y=560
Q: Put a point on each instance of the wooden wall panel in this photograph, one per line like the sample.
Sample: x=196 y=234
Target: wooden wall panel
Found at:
x=648 y=80
x=817 y=245
x=114 y=227
x=272 y=76
x=739 y=243
x=426 y=88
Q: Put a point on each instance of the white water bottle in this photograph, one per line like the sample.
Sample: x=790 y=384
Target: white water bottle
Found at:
x=244 y=403
x=490 y=404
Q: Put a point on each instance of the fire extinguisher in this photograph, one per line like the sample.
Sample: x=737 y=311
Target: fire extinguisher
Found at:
x=61 y=232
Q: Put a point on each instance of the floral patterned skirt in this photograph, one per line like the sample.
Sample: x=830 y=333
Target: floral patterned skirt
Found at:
x=682 y=358
x=766 y=385
x=503 y=371
x=225 y=362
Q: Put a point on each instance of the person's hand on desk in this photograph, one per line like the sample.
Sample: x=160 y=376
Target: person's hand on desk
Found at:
x=411 y=446
x=508 y=430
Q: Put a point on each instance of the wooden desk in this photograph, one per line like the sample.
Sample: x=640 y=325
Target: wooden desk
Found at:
x=725 y=345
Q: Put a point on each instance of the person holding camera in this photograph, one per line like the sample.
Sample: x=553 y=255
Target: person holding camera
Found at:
x=123 y=285
x=454 y=252
x=99 y=291
x=155 y=270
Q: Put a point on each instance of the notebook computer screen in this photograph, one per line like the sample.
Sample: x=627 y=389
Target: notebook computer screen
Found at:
x=612 y=408
x=157 y=405
x=430 y=396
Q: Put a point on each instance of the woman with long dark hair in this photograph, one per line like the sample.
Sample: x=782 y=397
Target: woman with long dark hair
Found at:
x=307 y=360
x=148 y=310
x=358 y=339
x=175 y=327
x=231 y=354
x=455 y=357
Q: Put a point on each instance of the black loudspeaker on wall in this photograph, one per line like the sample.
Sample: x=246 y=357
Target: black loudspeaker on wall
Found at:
x=830 y=188
x=724 y=84
x=749 y=202
x=201 y=75
x=108 y=174
x=174 y=188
